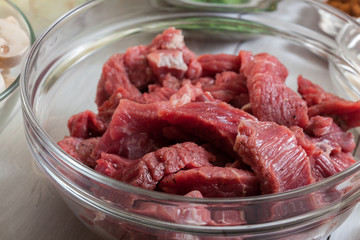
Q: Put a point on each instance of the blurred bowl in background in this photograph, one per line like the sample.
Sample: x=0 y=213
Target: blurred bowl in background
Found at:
x=9 y=98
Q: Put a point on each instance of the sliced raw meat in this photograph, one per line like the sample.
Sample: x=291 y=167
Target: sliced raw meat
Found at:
x=156 y=93
x=132 y=130
x=325 y=161
x=345 y=113
x=80 y=149
x=186 y=214
x=137 y=67
x=227 y=86
x=262 y=63
x=187 y=93
x=111 y=165
x=171 y=38
x=212 y=182
x=86 y=125
x=167 y=61
x=273 y=153
x=148 y=170
x=214 y=122
x=217 y=63
x=330 y=137
x=270 y=98
x=114 y=76
x=342 y=160
x=178 y=59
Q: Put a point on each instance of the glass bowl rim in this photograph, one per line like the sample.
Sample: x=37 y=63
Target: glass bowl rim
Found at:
x=80 y=168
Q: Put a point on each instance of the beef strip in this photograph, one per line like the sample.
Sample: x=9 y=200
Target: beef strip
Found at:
x=274 y=155
x=270 y=98
x=212 y=182
x=147 y=171
x=345 y=113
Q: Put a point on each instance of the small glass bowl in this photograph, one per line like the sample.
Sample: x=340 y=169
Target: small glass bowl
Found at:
x=60 y=78
x=9 y=97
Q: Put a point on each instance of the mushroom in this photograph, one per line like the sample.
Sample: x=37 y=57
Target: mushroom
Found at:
x=13 y=43
x=2 y=83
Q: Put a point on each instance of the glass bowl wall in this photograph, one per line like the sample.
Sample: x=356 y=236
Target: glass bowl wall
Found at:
x=60 y=79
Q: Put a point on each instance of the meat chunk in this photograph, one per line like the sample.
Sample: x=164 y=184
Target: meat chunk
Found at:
x=167 y=61
x=168 y=54
x=345 y=113
x=212 y=182
x=270 y=98
x=132 y=130
x=274 y=155
x=323 y=154
x=114 y=76
x=215 y=121
x=147 y=171
x=80 y=149
x=227 y=86
x=185 y=214
x=86 y=125
x=213 y=64
x=329 y=136
x=137 y=67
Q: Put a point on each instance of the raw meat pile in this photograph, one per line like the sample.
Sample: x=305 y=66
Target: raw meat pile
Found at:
x=211 y=125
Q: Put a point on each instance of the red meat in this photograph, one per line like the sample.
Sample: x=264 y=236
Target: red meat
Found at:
x=210 y=121
x=329 y=136
x=227 y=86
x=270 y=98
x=137 y=67
x=217 y=63
x=113 y=77
x=80 y=149
x=273 y=153
x=86 y=125
x=148 y=170
x=132 y=130
x=345 y=113
x=212 y=182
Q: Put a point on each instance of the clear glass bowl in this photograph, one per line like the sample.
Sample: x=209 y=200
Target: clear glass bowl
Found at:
x=9 y=98
x=60 y=79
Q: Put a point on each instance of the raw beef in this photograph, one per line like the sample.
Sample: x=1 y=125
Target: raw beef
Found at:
x=212 y=64
x=186 y=214
x=345 y=113
x=148 y=170
x=137 y=67
x=270 y=98
x=227 y=86
x=113 y=77
x=215 y=125
x=273 y=153
x=80 y=149
x=212 y=182
x=86 y=125
x=212 y=121
x=132 y=131
x=329 y=136
x=324 y=152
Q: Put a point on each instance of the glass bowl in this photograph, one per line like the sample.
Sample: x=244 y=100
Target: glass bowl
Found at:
x=10 y=96
x=61 y=74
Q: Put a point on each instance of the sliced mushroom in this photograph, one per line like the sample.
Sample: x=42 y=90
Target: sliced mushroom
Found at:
x=13 y=43
x=8 y=78
x=2 y=83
